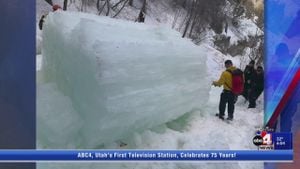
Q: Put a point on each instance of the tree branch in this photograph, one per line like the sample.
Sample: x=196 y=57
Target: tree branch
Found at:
x=117 y=4
x=65 y=5
x=121 y=8
x=108 y=8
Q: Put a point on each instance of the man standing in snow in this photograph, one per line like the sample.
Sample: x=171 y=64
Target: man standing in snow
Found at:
x=257 y=86
x=249 y=72
x=227 y=96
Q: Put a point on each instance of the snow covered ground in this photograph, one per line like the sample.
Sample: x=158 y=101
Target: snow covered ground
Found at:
x=198 y=129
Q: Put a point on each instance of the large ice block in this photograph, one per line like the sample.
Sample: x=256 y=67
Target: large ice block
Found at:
x=121 y=77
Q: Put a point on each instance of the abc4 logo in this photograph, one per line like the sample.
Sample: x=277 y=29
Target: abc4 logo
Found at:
x=263 y=138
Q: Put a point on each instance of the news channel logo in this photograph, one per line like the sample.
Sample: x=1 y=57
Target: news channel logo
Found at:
x=263 y=139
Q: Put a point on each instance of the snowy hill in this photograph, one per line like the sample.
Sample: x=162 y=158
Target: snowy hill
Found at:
x=172 y=14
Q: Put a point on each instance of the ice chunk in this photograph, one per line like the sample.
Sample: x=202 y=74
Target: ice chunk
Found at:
x=57 y=126
x=120 y=77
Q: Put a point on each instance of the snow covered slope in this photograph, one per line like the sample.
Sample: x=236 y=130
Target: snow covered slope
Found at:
x=115 y=78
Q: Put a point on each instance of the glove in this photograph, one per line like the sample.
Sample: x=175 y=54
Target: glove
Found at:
x=214 y=83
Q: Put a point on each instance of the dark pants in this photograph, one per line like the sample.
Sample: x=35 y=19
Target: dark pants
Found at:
x=227 y=97
x=246 y=91
x=254 y=94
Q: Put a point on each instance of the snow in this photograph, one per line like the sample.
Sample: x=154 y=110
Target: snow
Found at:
x=39 y=59
x=113 y=69
x=245 y=29
x=42 y=8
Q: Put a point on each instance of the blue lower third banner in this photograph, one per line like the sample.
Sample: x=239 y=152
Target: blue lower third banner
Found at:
x=145 y=155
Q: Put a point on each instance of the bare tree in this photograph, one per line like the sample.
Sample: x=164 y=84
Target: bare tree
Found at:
x=177 y=14
x=183 y=22
x=98 y=5
x=130 y=3
x=102 y=8
x=49 y=2
x=201 y=14
x=257 y=48
x=65 y=5
x=121 y=8
x=142 y=14
x=196 y=14
x=85 y=3
x=108 y=7
x=117 y=4
x=190 y=16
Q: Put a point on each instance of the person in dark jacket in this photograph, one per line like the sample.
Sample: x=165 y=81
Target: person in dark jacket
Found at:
x=257 y=86
x=248 y=75
x=41 y=22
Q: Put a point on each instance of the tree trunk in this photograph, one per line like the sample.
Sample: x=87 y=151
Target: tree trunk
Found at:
x=130 y=3
x=102 y=8
x=187 y=26
x=192 y=26
x=142 y=14
x=118 y=3
x=195 y=14
x=189 y=20
x=120 y=9
x=65 y=5
x=49 y=2
x=108 y=7
x=98 y=5
x=175 y=18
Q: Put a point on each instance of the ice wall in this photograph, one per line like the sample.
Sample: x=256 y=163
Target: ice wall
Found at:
x=115 y=77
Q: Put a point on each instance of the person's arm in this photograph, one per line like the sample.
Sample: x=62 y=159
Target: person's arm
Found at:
x=245 y=70
x=41 y=22
x=221 y=80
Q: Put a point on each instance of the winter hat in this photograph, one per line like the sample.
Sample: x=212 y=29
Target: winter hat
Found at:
x=228 y=62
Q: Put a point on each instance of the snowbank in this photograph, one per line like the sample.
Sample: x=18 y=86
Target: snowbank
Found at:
x=246 y=28
x=115 y=78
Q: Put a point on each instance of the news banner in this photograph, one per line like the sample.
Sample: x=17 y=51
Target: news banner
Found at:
x=271 y=146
